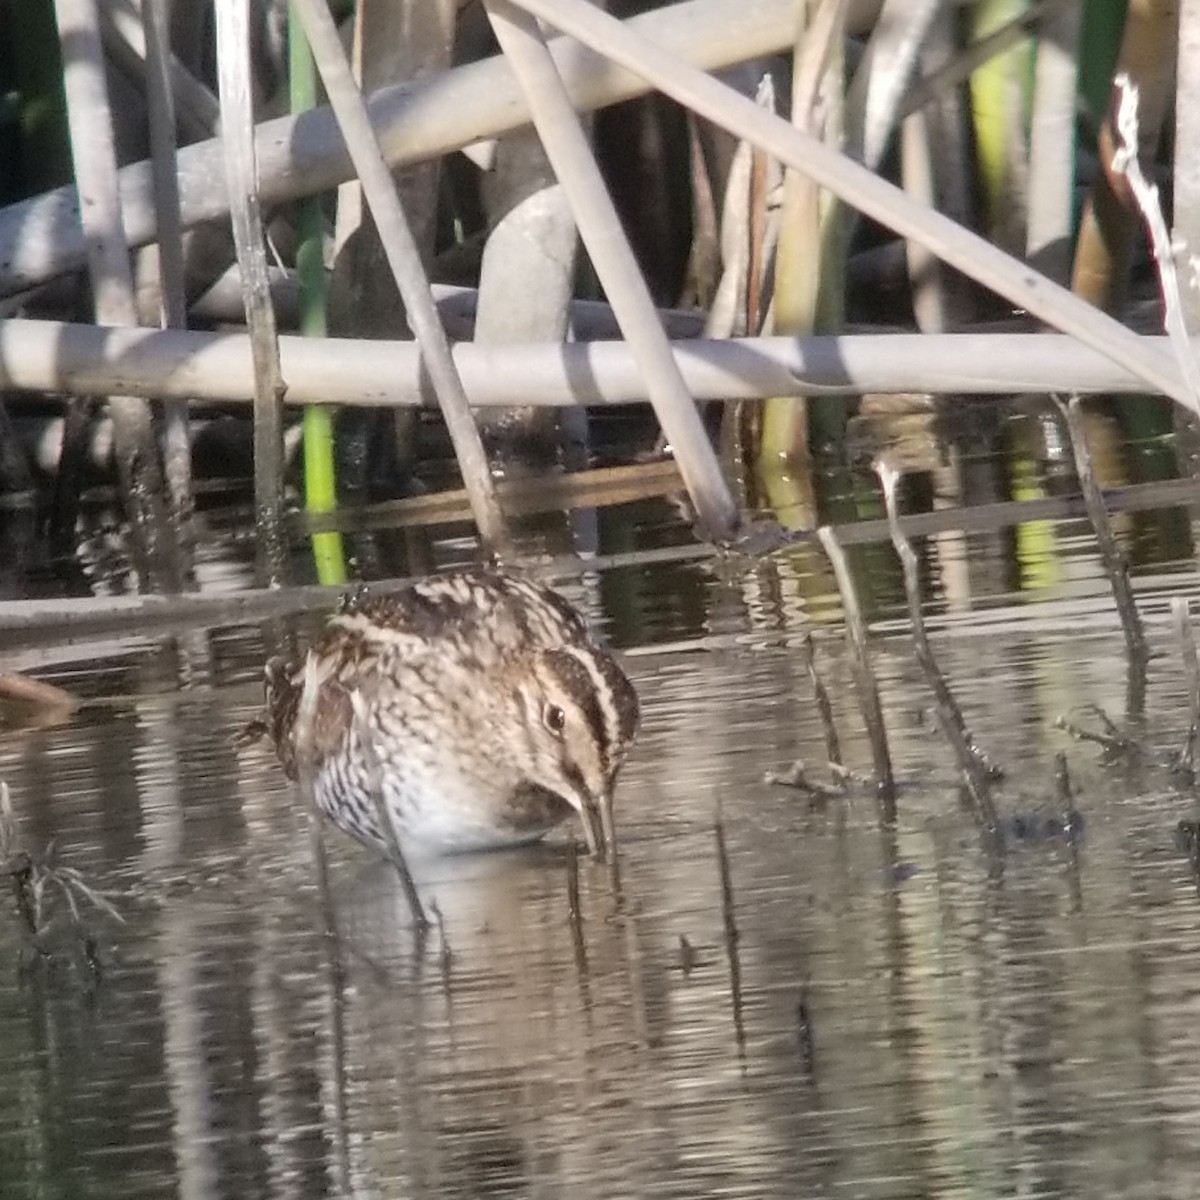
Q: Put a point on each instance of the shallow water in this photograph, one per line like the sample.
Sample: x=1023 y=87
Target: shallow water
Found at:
x=853 y=1011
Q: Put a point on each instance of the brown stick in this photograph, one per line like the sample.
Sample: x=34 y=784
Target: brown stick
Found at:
x=976 y=770
x=864 y=677
x=833 y=749
x=1116 y=566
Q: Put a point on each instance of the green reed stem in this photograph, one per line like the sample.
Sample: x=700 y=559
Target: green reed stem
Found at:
x=320 y=485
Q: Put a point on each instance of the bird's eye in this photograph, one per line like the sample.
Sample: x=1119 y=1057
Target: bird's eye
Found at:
x=555 y=719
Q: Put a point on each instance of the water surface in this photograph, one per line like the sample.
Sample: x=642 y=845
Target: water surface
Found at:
x=868 y=1012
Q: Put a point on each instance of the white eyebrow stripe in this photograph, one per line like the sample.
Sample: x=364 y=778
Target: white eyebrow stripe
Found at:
x=586 y=655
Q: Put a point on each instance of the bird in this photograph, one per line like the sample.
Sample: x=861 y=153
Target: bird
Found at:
x=471 y=710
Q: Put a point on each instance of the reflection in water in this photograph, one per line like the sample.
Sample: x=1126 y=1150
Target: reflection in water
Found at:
x=844 y=1010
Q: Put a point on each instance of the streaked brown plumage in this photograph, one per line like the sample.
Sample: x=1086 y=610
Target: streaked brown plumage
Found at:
x=491 y=713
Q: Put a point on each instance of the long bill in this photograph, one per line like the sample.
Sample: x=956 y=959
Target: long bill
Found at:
x=593 y=825
x=607 y=824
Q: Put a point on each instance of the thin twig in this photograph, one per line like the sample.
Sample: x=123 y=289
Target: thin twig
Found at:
x=732 y=936
x=1071 y=824
x=1116 y=566
x=833 y=748
x=1063 y=794
x=445 y=954
x=805 y=1036
x=864 y=675
x=976 y=770
x=1113 y=742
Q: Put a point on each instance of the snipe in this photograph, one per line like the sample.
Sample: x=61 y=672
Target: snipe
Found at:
x=490 y=712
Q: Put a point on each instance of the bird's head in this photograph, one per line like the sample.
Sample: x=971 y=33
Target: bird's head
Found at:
x=580 y=715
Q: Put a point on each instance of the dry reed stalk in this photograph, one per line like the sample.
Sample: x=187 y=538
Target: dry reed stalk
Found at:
x=1111 y=740
x=882 y=77
x=193 y=105
x=600 y=228
x=1116 y=566
x=404 y=257
x=937 y=165
x=89 y=120
x=237 y=124
x=177 y=449
x=809 y=277
x=300 y=156
x=967 y=251
x=83 y=360
x=732 y=934
x=1125 y=163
